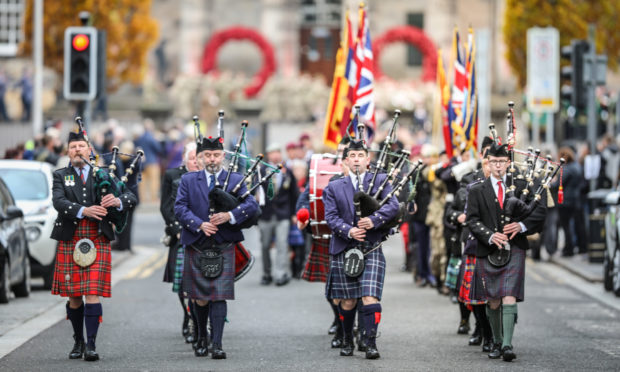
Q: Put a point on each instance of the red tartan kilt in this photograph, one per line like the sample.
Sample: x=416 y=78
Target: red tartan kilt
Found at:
x=71 y=280
x=317 y=264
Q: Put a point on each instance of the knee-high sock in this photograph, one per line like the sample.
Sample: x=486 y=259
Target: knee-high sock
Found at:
x=360 y=317
x=202 y=316
x=92 y=318
x=372 y=317
x=217 y=313
x=335 y=310
x=183 y=305
x=192 y=313
x=483 y=322
x=76 y=316
x=347 y=318
x=495 y=320
x=464 y=312
x=509 y=317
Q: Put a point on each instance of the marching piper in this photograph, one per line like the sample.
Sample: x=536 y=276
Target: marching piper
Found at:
x=209 y=238
x=84 y=228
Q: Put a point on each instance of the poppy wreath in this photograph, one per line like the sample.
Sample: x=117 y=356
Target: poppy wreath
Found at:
x=209 y=58
x=410 y=35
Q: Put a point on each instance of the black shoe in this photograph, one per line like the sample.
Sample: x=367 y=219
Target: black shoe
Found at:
x=337 y=342
x=347 y=347
x=361 y=344
x=283 y=281
x=463 y=327
x=496 y=352
x=201 y=349
x=185 y=325
x=508 y=354
x=333 y=328
x=372 y=352
x=487 y=346
x=475 y=340
x=78 y=349
x=217 y=352
x=90 y=355
x=191 y=332
x=266 y=280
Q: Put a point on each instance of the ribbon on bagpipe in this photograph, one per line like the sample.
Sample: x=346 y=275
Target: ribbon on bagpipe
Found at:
x=107 y=182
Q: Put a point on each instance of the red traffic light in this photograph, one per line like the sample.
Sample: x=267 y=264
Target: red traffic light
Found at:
x=80 y=42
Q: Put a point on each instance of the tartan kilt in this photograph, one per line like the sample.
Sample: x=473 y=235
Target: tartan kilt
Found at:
x=317 y=263
x=498 y=282
x=197 y=287
x=178 y=270
x=452 y=272
x=370 y=283
x=467 y=288
x=72 y=280
x=172 y=261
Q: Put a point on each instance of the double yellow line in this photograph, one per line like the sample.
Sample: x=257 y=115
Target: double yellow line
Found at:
x=146 y=269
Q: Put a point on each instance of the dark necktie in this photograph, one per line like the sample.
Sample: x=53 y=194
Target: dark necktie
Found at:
x=500 y=194
x=211 y=182
x=82 y=176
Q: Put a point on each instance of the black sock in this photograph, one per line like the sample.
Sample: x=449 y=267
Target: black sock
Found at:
x=464 y=312
x=372 y=317
x=76 y=316
x=192 y=314
x=218 y=312
x=92 y=318
x=360 y=318
x=485 y=326
x=202 y=316
x=348 y=318
x=335 y=310
x=183 y=305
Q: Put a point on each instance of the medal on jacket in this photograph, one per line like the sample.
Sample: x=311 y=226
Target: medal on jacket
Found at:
x=69 y=180
x=84 y=253
x=353 y=263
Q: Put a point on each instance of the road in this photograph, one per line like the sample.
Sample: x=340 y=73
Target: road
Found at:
x=285 y=328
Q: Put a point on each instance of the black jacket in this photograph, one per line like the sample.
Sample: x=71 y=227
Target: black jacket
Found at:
x=168 y=197
x=485 y=217
x=69 y=196
x=283 y=203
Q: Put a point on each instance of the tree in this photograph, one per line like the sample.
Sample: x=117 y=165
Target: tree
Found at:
x=130 y=33
x=570 y=17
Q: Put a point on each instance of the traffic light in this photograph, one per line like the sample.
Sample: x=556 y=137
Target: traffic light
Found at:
x=576 y=91
x=80 y=69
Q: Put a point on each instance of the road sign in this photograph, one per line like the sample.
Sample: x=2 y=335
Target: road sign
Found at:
x=543 y=69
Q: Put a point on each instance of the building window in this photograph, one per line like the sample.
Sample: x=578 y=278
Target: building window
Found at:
x=11 y=20
x=414 y=56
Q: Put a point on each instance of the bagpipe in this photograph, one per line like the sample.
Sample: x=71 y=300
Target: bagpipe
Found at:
x=223 y=198
x=368 y=201
x=534 y=173
x=107 y=182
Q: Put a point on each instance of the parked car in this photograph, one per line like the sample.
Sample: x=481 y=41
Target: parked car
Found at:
x=611 y=261
x=14 y=262
x=30 y=182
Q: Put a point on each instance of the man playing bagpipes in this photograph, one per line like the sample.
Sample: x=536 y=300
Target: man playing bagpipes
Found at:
x=357 y=267
x=209 y=235
x=90 y=205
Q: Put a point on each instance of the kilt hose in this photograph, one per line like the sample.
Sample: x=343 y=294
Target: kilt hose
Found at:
x=370 y=283
x=197 y=287
x=467 y=283
x=72 y=280
x=178 y=270
x=317 y=264
x=498 y=282
x=172 y=260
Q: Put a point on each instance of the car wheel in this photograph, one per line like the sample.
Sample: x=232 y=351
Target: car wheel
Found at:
x=616 y=273
x=5 y=285
x=23 y=288
x=607 y=272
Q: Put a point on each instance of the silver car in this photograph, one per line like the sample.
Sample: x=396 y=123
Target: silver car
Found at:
x=30 y=183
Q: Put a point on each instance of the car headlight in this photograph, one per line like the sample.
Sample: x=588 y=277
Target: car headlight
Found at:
x=33 y=233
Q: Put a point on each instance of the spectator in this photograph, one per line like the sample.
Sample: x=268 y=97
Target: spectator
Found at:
x=149 y=189
x=3 y=85
x=26 y=85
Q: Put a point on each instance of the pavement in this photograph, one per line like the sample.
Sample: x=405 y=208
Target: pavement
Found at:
x=581 y=266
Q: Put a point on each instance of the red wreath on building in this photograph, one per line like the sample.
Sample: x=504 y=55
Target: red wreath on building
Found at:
x=410 y=35
x=209 y=58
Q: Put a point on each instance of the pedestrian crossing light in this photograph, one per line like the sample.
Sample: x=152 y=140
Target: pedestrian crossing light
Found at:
x=80 y=63
x=575 y=93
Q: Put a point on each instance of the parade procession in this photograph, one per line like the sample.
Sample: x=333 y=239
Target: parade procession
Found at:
x=197 y=168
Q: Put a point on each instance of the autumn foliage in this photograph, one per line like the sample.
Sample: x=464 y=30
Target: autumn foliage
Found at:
x=131 y=31
x=570 y=17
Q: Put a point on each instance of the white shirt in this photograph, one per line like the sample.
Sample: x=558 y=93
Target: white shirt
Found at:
x=354 y=179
